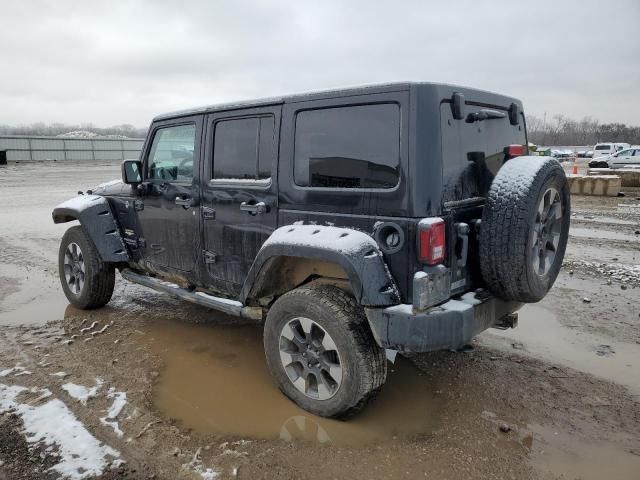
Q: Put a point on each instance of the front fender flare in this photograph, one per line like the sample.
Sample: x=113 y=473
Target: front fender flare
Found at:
x=356 y=252
x=96 y=217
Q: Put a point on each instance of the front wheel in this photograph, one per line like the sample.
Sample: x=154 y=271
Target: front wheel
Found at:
x=321 y=352
x=86 y=280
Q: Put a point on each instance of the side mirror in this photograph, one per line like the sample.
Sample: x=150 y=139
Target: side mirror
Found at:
x=514 y=114
x=132 y=172
x=457 y=106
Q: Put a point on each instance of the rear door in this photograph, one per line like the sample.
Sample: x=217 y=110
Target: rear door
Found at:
x=239 y=201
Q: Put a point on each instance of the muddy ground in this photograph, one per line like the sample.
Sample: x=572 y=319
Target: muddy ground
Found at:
x=558 y=397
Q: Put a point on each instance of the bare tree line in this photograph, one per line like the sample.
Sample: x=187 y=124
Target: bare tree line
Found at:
x=41 y=128
x=561 y=130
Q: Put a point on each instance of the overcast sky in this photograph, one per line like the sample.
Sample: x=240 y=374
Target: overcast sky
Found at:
x=113 y=62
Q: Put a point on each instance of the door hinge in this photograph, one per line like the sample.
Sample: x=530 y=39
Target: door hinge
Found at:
x=209 y=257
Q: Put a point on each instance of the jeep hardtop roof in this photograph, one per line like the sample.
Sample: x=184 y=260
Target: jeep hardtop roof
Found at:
x=438 y=91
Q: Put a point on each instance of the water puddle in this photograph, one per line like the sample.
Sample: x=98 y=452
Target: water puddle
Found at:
x=33 y=298
x=542 y=335
x=565 y=456
x=216 y=380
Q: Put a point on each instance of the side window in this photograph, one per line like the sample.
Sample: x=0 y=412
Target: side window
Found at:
x=243 y=149
x=171 y=154
x=348 y=147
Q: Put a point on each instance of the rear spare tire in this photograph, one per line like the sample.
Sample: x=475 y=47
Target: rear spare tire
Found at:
x=525 y=227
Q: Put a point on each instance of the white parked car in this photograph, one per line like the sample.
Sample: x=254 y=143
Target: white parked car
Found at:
x=608 y=148
x=628 y=156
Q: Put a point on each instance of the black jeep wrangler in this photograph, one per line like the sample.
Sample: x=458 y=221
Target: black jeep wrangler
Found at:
x=405 y=216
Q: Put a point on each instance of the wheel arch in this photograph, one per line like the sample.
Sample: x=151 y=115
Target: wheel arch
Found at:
x=96 y=217
x=297 y=254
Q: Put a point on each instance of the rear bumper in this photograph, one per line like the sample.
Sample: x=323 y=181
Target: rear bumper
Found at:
x=450 y=325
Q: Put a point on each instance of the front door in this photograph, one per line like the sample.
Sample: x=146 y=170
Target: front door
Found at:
x=239 y=200
x=169 y=219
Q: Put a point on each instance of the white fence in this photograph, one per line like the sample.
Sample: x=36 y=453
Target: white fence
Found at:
x=25 y=148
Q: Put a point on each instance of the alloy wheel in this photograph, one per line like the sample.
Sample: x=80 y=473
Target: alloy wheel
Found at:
x=310 y=358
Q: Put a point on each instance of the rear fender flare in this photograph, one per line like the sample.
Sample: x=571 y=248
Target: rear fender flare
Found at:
x=356 y=252
x=96 y=216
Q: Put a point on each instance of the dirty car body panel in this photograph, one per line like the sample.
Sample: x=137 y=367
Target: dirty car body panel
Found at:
x=399 y=158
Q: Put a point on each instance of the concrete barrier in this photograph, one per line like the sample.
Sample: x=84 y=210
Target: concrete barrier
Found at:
x=629 y=177
x=602 y=185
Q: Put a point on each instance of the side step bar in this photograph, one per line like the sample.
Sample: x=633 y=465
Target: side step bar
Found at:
x=231 y=307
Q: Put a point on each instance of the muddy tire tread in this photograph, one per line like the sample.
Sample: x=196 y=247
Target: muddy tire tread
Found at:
x=100 y=281
x=371 y=359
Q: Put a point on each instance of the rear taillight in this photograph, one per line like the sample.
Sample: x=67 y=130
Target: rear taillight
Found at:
x=431 y=241
x=513 y=151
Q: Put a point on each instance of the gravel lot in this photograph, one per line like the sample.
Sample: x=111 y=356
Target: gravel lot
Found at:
x=149 y=387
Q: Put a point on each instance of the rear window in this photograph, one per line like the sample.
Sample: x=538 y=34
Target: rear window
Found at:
x=348 y=147
x=474 y=152
x=603 y=147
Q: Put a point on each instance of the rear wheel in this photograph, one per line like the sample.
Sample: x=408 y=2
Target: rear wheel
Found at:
x=86 y=280
x=321 y=352
x=525 y=228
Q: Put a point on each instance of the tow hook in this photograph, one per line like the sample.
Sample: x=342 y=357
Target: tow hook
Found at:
x=510 y=320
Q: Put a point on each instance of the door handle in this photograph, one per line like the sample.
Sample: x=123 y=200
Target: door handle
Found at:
x=254 y=208
x=184 y=201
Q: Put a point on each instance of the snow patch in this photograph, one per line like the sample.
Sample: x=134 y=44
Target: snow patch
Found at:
x=17 y=371
x=456 y=305
x=119 y=401
x=81 y=393
x=344 y=239
x=470 y=298
x=103 y=329
x=195 y=465
x=54 y=425
x=90 y=327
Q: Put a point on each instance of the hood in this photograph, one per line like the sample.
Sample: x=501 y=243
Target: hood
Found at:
x=114 y=187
